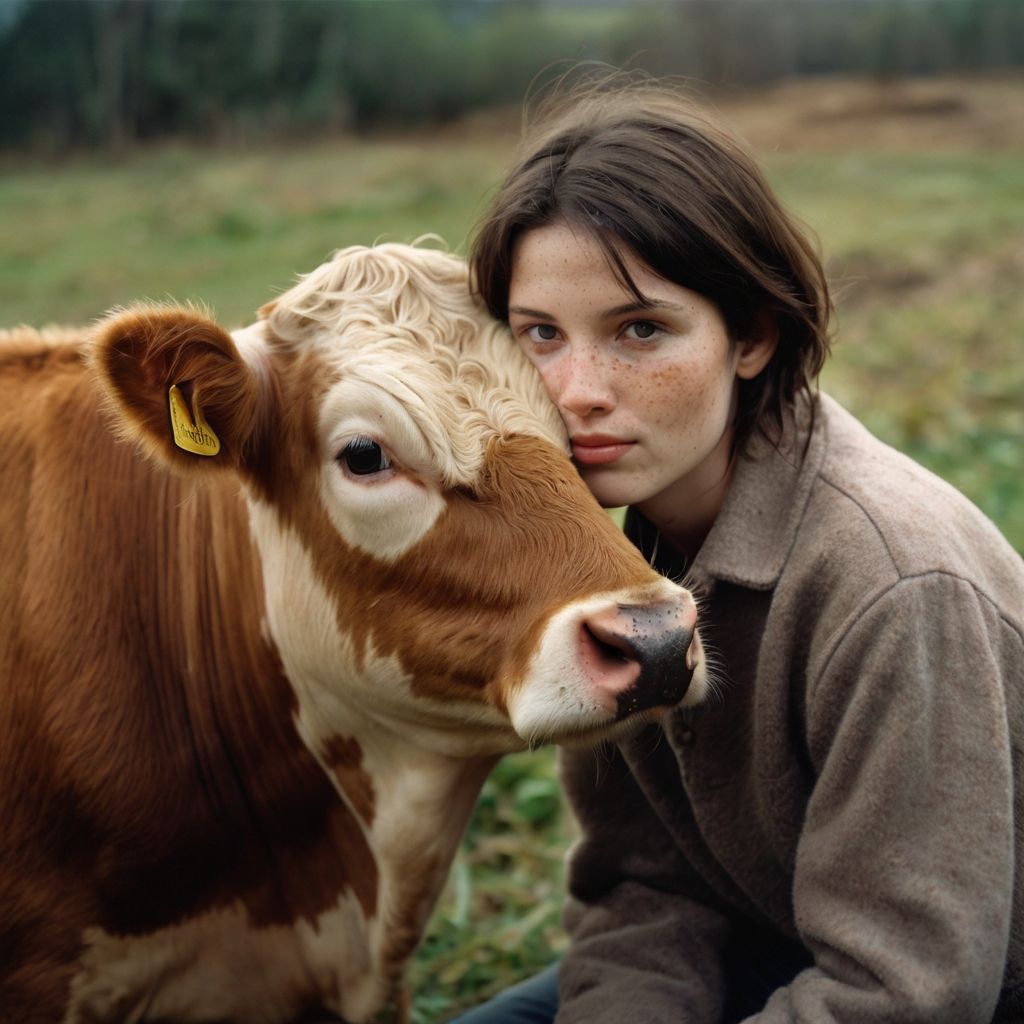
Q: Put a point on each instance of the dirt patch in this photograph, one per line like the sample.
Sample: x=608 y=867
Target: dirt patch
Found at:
x=976 y=113
x=831 y=113
x=864 y=283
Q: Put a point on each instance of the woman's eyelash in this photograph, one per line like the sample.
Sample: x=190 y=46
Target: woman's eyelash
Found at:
x=643 y=329
x=533 y=330
x=640 y=329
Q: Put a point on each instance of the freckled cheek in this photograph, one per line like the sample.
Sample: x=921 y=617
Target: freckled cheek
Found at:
x=671 y=397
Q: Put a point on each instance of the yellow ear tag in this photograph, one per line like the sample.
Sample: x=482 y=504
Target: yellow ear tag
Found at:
x=194 y=437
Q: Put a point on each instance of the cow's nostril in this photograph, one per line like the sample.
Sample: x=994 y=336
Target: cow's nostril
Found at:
x=612 y=645
x=610 y=663
x=638 y=656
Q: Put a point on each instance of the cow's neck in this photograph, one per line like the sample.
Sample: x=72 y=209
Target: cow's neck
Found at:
x=265 y=813
x=359 y=826
x=423 y=802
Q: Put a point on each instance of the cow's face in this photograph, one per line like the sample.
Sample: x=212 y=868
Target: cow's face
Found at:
x=431 y=559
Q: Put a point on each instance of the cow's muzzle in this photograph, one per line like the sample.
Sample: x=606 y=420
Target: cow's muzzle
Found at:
x=642 y=657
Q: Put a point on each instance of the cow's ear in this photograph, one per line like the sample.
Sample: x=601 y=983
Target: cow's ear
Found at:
x=178 y=386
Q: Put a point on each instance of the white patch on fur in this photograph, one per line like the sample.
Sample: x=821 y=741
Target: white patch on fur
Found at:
x=384 y=514
x=426 y=758
x=422 y=802
x=554 y=701
x=221 y=966
x=251 y=343
x=335 y=697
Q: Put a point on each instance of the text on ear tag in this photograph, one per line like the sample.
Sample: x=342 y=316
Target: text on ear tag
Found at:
x=192 y=436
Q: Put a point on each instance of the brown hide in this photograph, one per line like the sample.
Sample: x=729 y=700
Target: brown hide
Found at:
x=151 y=769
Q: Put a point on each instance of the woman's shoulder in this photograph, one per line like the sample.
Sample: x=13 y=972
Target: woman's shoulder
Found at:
x=873 y=509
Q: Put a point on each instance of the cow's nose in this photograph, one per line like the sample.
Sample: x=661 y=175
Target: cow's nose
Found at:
x=639 y=657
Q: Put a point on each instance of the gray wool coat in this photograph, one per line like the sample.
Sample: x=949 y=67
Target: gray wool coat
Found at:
x=851 y=802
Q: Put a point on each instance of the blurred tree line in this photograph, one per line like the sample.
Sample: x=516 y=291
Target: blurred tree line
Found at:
x=83 y=73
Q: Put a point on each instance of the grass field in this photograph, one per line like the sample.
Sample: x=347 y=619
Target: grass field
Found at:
x=916 y=192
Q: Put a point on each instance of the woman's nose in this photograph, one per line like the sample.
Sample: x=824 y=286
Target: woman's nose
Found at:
x=582 y=385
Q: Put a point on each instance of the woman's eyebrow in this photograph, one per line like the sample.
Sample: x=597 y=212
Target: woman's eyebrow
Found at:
x=641 y=307
x=525 y=311
x=649 y=305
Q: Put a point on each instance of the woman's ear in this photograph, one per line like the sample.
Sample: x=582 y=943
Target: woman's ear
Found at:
x=755 y=351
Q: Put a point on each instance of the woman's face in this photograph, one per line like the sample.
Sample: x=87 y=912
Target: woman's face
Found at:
x=647 y=391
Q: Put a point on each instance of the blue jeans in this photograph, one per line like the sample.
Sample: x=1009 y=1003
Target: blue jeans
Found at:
x=754 y=968
x=534 y=1001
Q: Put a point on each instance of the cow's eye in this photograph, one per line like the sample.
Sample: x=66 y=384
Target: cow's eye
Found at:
x=363 y=457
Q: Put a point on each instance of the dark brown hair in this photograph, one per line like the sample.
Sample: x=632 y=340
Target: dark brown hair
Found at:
x=641 y=166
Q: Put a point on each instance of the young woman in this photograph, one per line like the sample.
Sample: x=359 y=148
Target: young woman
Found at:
x=836 y=833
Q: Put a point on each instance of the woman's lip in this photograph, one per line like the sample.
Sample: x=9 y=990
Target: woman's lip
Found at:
x=599 y=451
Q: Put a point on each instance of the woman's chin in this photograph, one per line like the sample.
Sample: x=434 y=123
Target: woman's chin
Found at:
x=610 y=492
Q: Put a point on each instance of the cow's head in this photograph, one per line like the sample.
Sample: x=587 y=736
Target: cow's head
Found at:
x=431 y=559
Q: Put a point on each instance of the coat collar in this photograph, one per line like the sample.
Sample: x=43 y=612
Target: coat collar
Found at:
x=756 y=528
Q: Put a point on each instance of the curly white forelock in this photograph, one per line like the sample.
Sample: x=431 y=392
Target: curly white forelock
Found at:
x=410 y=324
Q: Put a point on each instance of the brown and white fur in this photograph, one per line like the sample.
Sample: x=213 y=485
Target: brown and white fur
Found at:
x=247 y=701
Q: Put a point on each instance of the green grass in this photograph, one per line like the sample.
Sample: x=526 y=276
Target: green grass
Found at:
x=926 y=250
x=232 y=229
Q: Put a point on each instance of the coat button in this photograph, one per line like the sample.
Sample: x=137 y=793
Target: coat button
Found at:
x=684 y=735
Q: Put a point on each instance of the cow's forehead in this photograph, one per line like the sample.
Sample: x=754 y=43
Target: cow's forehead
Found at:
x=439 y=419
x=392 y=336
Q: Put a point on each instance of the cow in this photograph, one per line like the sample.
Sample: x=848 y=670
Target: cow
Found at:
x=273 y=604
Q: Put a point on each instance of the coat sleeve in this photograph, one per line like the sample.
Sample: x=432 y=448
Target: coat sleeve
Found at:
x=646 y=946
x=904 y=876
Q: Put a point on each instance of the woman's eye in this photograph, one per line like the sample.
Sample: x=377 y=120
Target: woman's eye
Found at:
x=363 y=456
x=542 y=332
x=642 y=329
